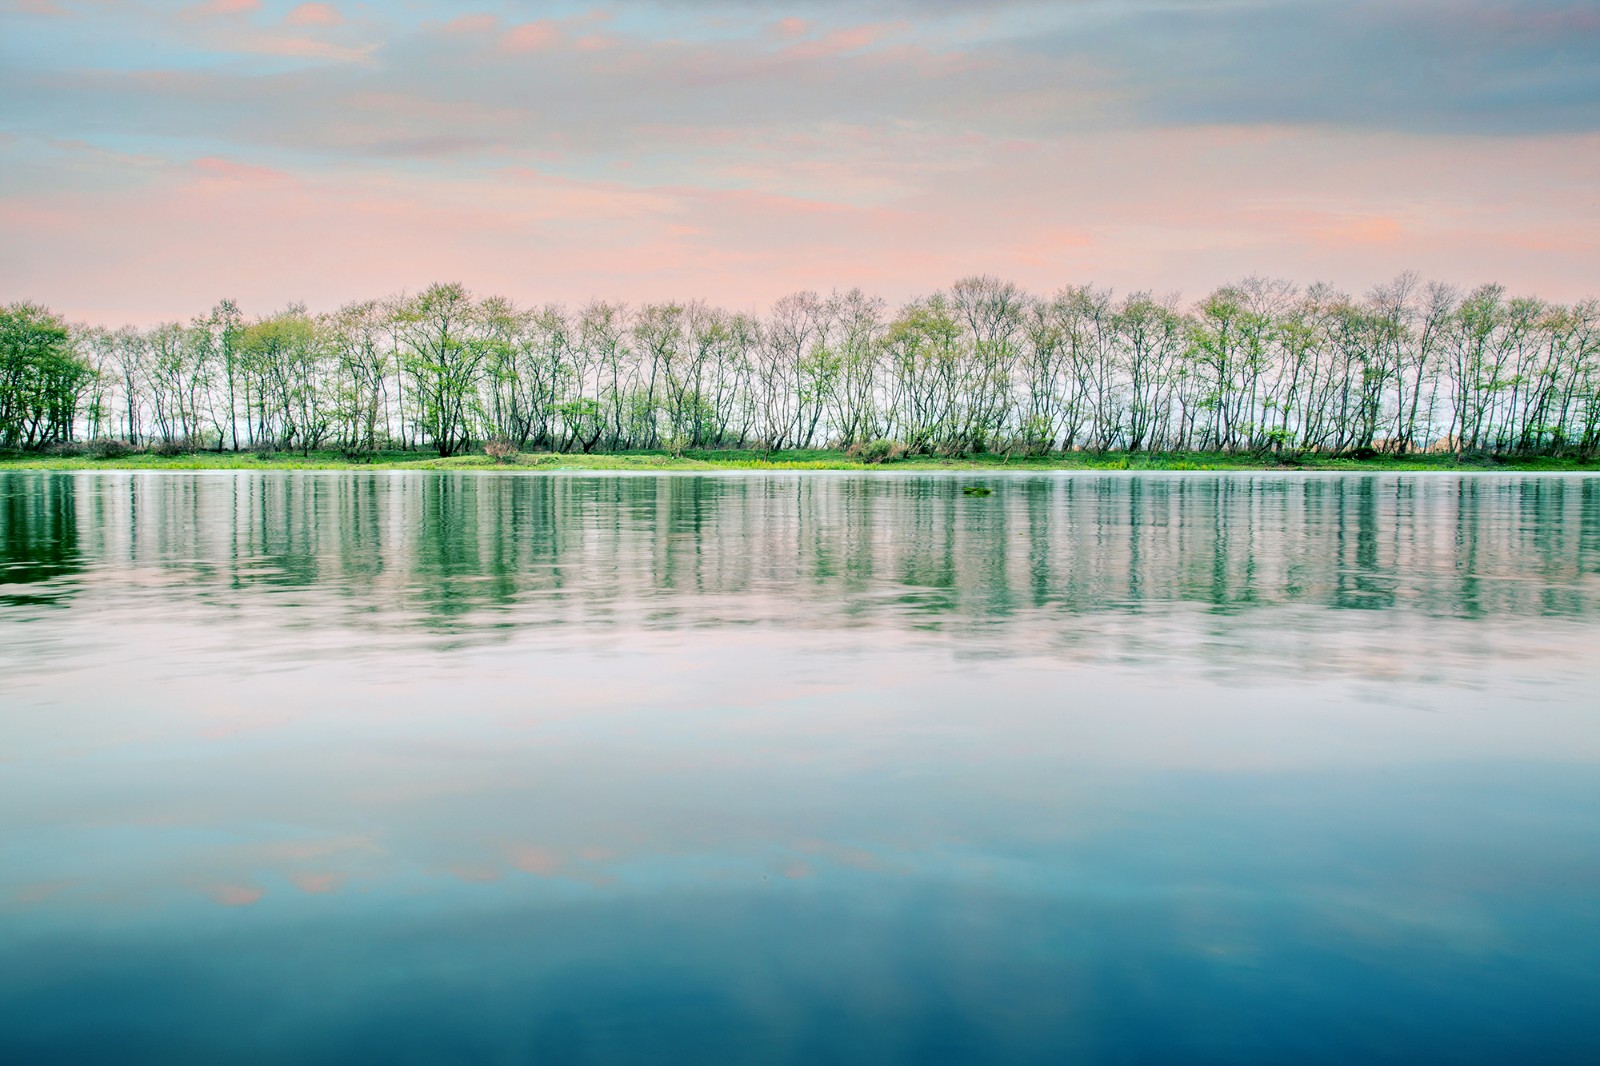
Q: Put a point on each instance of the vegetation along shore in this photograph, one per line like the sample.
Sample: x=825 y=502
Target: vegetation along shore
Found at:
x=90 y=458
x=1258 y=373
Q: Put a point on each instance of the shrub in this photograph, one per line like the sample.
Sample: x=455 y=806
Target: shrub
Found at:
x=877 y=451
x=500 y=450
x=108 y=448
x=65 y=449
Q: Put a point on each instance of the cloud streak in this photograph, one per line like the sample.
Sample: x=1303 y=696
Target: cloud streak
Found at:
x=1308 y=137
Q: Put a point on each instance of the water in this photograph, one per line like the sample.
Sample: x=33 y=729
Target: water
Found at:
x=799 y=769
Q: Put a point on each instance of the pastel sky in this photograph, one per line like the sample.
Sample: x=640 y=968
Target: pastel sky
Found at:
x=155 y=157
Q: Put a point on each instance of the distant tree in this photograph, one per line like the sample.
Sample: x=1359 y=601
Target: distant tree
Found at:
x=42 y=377
x=356 y=336
x=445 y=355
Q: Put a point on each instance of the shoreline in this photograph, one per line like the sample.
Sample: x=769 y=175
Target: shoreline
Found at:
x=757 y=462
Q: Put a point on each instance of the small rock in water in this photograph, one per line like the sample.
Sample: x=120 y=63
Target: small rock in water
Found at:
x=977 y=490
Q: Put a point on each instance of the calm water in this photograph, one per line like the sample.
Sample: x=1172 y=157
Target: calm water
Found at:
x=799 y=769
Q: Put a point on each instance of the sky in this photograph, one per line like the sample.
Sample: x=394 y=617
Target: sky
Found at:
x=156 y=157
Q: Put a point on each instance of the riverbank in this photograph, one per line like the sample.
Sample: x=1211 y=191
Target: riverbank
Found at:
x=710 y=461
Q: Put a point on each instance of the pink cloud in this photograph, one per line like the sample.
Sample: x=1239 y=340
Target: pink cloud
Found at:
x=228 y=170
x=223 y=7
x=1097 y=208
x=843 y=41
x=318 y=883
x=531 y=37
x=41 y=891
x=288 y=45
x=535 y=860
x=790 y=28
x=314 y=15
x=1050 y=245
x=237 y=895
x=1374 y=229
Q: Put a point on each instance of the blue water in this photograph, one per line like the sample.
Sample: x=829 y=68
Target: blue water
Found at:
x=827 y=768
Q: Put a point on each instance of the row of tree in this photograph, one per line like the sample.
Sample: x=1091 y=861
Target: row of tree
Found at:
x=984 y=366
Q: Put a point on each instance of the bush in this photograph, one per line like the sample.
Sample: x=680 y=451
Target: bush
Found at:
x=877 y=451
x=500 y=450
x=108 y=448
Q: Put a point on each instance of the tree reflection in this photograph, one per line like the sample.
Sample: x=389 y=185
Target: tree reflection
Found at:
x=463 y=552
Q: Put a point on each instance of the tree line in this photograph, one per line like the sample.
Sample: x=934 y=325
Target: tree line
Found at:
x=1258 y=366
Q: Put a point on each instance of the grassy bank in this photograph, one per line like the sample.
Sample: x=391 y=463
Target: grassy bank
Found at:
x=757 y=460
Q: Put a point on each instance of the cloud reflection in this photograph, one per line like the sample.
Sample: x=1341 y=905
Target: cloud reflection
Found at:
x=848 y=767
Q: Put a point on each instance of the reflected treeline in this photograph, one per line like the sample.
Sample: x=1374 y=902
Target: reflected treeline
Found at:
x=464 y=552
x=38 y=537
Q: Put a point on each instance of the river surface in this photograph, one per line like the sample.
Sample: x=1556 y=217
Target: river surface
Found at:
x=823 y=768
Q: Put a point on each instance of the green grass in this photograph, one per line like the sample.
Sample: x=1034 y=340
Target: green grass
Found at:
x=758 y=460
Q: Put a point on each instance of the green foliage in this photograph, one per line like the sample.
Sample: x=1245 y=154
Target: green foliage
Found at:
x=585 y=421
x=1254 y=372
x=42 y=377
x=444 y=361
x=877 y=451
x=288 y=359
x=107 y=454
